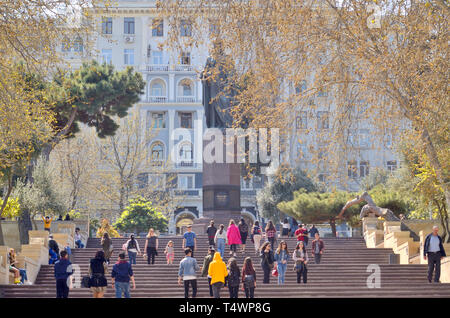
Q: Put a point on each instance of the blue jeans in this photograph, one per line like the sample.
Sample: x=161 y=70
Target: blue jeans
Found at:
x=79 y=244
x=132 y=257
x=23 y=274
x=221 y=246
x=122 y=287
x=281 y=268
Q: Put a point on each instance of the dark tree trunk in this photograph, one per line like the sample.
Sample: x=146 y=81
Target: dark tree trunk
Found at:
x=333 y=227
x=25 y=225
x=5 y=202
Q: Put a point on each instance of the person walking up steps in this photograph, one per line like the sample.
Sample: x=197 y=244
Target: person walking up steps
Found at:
x=218 y=271
x=211 y=231
x=256 y=236
x=286 y=226
x=186 y=273
x=267 y=261
x=121 y=274
x=132 y=249
x=63 y=269
x=317 y=248
x=300 y=257
x=170 y=252
x=282 y=257
x=107 y=246
x=271 y=233
x=433 y=250
x=206 y=261
x=190 y=240
x=233 y=237
x=243 y=231
x=151 y=246
x=234 y=278
x=221 y=240
x=249 y=278
x=98 y=268
x=313 y=231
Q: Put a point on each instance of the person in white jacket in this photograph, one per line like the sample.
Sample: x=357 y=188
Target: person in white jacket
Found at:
x=221 y=239
x=133 y=249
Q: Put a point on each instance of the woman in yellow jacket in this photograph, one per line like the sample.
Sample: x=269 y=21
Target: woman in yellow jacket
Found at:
x=217 y=271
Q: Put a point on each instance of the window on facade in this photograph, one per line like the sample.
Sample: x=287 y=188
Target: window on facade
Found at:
x=157 y=89
x=158 y=120
x=185 y=181
x=185 y=88
x=247 y=183
x=186 y=120
x=257 y=182
x=322 y=177
x=128 y=25
x=106 y=56
x=128 y=57
x=185 y=28
x=363 y=169
x=158 y=27
x=106 y=25
x=301 y=121
x=156 y=180
x=322 y=120
x=364 y=138
x=185 y=58
x=352 y=169
x=65 y=46
x=157 y=151
x=300 y=87
x=78 y=45
x=391 y=165
x=185 y=152
x=157 y=57
x=302 y=151
x=142 y=180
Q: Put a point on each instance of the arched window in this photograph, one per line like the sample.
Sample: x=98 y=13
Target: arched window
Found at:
x=185 y=88
x=157 y=151
x=157 y=89
x=78 y=45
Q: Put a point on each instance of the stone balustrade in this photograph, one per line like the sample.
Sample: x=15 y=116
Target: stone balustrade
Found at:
x=38 y=236
x=394 y=239
x=30 y=265
x=375 y=238
x=37 y=252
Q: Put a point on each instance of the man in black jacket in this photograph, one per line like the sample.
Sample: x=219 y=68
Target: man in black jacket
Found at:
x=433 y=250
x=211 y=231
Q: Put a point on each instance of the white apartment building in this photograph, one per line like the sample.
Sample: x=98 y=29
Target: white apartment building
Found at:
x=130 y=34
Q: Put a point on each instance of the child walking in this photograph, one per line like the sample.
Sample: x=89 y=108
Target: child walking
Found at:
x=170 y=253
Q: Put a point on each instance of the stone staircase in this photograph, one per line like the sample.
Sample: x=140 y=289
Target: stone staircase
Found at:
x=342 y=273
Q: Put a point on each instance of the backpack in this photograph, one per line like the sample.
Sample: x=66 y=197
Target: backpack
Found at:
x=249 y=281
x=131 y=244
x=256 y=230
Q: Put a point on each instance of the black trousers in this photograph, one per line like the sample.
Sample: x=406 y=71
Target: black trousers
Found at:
x=266 y=270
x=151 y=253
x=62 y=290
x=250 y=292
x=210 y=287
x=211 y=241
x=272 y=242
x=233 y=248
x=193 y=283
x=302 y=272
x=434 y=263
x=234 y=291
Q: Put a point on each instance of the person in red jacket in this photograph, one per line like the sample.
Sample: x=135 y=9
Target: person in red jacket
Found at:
x=300 y=233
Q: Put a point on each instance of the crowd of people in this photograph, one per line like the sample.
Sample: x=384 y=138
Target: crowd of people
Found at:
x=274 y=258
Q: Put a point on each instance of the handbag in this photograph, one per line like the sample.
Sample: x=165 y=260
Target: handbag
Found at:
x=275 y=272
x=85 y=282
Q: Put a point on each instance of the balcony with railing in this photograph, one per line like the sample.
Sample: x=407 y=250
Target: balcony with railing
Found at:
x=186 y=99
x=167 y=68
x=190 y=192
x=157 y=99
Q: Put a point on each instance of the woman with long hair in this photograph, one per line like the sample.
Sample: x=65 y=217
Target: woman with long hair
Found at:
x=267 y=261
x=133 y=249
x=271 y=233
x=282 y=257
x=249 y=278
x=107 y=246
x=221 y=239
x=97 y=274
x=233 y=237
x=151 y=246
x=256 y=236
x=243 y=231
x=233 y=278
x=300 y=257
